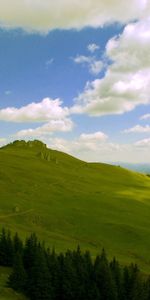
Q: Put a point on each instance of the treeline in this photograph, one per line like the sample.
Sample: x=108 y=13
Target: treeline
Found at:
x=41 y=274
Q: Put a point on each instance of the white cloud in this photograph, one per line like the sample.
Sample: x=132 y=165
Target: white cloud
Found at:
x=47 y=111
x=46 y=129
x=127 y=80
x=3 y=141
x=93 y=47
x=138 y=129
x=91 y=141
x=145 y=143
x=47 y=15
x=104 y=150
x=81 y=59
x=83 y=145
x=145 y=117
x=130 y=51
x=93 y=137
x=95 y=66
x=43 y=111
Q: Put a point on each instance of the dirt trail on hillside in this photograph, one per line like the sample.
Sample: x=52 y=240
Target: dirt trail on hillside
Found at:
x=16 y=214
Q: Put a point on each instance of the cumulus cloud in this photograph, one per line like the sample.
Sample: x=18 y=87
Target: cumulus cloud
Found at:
x=90 y=141
x=127 y=80
x=43 y=111
x=138 y=129
x=95 y=66
x=104 y=150
x=65 y=14
x=48 y=111
x=47 y=129
x=85 y=145
x=93 y=47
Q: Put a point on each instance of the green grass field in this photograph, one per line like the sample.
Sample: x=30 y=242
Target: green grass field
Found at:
x=69 y=202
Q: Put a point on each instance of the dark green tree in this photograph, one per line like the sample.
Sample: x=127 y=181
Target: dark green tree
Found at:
x=30 y=251
x=38 y=277
x=17 y=244
x=18 y=277
x=133 y=283
x=117 y=277
x=136 y=283
x=6 y=249
x=91 y=290
x=104 y=279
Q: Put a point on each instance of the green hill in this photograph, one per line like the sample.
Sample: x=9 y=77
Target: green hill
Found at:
x=69 y=202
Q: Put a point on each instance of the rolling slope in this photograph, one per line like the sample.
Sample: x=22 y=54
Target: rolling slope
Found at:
x=69 y=202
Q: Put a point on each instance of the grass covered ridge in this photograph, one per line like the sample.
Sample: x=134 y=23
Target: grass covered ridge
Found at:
x=69 y=202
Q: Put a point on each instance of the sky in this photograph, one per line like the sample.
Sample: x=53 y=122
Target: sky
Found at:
x=76 y=75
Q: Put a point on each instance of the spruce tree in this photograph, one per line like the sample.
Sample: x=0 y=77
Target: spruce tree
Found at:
x=18 y=277
x=103 y=278
x=17 y=244
x=91 y=290
x=30 y=251
x=136 y=283
x=6 y=249
x=38 y=278
x=118 y=278
x=9 y=250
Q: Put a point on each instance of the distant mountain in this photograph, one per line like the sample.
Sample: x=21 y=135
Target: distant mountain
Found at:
x=68 y=202
x=142 y=168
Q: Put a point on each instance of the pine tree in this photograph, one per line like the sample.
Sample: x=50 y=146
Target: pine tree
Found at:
x=91 y=290
x=136 y=283
x=30 y=251
x=9 y=250
x=52 y=263
x=18 y=277
x=6 y=249
x=43 y=275
x=3 y=244
x=17 y=244
x=78 y=263
x=103 y=278
x=148 y=288
x=69 y=278
x=38 y=278
x=133 y=284
x=118 y=278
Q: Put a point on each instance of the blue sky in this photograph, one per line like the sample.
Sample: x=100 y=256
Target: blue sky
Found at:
x=78 y=83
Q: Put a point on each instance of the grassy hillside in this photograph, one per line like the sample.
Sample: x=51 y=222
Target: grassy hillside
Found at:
x=5 y=292
x=69 y=202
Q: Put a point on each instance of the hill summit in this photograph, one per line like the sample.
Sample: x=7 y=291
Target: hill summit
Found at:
x=26 y=144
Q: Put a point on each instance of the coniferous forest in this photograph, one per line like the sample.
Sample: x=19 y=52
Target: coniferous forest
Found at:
x=42 y=274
